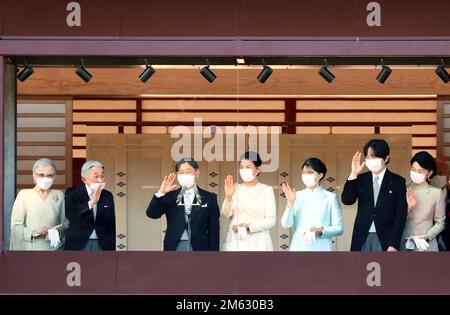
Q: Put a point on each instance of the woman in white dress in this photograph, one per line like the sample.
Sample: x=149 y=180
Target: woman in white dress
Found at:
x=251 y=207
x=38 y=219
x=314 y=212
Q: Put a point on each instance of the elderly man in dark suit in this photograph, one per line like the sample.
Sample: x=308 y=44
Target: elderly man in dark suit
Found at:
x=90 y=211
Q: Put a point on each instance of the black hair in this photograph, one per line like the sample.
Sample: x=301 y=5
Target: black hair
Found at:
x=426 y=161
x=252 y=156
x=190 y=161
x=379 y=147
x=317 y=165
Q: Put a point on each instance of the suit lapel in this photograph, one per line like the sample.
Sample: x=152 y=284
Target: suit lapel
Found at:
x=179 y=202
x=83 y=193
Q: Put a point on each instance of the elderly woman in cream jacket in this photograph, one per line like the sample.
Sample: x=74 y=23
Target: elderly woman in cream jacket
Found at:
x=314 y=212
x=38 y=220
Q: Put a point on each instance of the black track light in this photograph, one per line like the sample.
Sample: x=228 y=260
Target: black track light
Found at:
x=325 y=73
x=442 y=73
x=147 y=73
x=82 y=72
x=25 y=73
x=207 y=72
x=265 y=73
x=384 y=73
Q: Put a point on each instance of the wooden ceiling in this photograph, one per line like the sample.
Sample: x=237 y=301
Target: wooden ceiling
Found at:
x=123 y=82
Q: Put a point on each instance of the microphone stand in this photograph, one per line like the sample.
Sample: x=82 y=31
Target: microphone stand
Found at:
x=188 y=212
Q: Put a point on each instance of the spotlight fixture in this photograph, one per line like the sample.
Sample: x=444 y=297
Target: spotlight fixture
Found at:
x=265 y=73
x=82 y=72
x=207 y=72
x=325 y=73
x=147 y=73
x=384 y=73
x=442 y=73
x=25 y=73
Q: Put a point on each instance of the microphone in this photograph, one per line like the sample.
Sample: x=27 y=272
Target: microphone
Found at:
x=181 y=201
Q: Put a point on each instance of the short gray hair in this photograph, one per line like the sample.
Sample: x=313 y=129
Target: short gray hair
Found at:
x=44 y=162
x=88 y=165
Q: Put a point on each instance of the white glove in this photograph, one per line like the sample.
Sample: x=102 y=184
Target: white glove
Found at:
x=421 y=244
x=53 y=236
x=310 y=237
x=242 y=233
x=417 y=242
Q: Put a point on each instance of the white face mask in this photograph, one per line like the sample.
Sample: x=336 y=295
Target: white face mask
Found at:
x=417 y=178
x=246 y=174
x=44 y=183
x=309 y=180
x=186 y=180
x=94 y=186
x=374 y=165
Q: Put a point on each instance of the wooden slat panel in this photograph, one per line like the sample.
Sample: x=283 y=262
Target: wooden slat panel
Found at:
x=37 y=157
x=79 y=141
x=446 y=109
x=352 y=130
x=44 y=131
x=396 y=130
x=213 y=104
x=85 y=117
x=376 y=118
x=79 y=153
x=227 y=117
x=83 y=129
x=27 y=165
x=103 y=104
x=154 y=130
x=230 y=129
x=129 y=130
x=40 y=122
x=41 y=136
x=424 y=141
x=41 y=150
x=40 y=108
x=368 y=104
x=312 y=130
x=424 y=129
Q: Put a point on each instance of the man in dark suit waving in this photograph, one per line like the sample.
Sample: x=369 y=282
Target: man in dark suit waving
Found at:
x=90 y=211
x=381 y=196
x=192 y=213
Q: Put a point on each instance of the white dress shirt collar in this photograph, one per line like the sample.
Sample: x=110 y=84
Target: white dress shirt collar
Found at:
x=89 y=191
x=380 y=176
